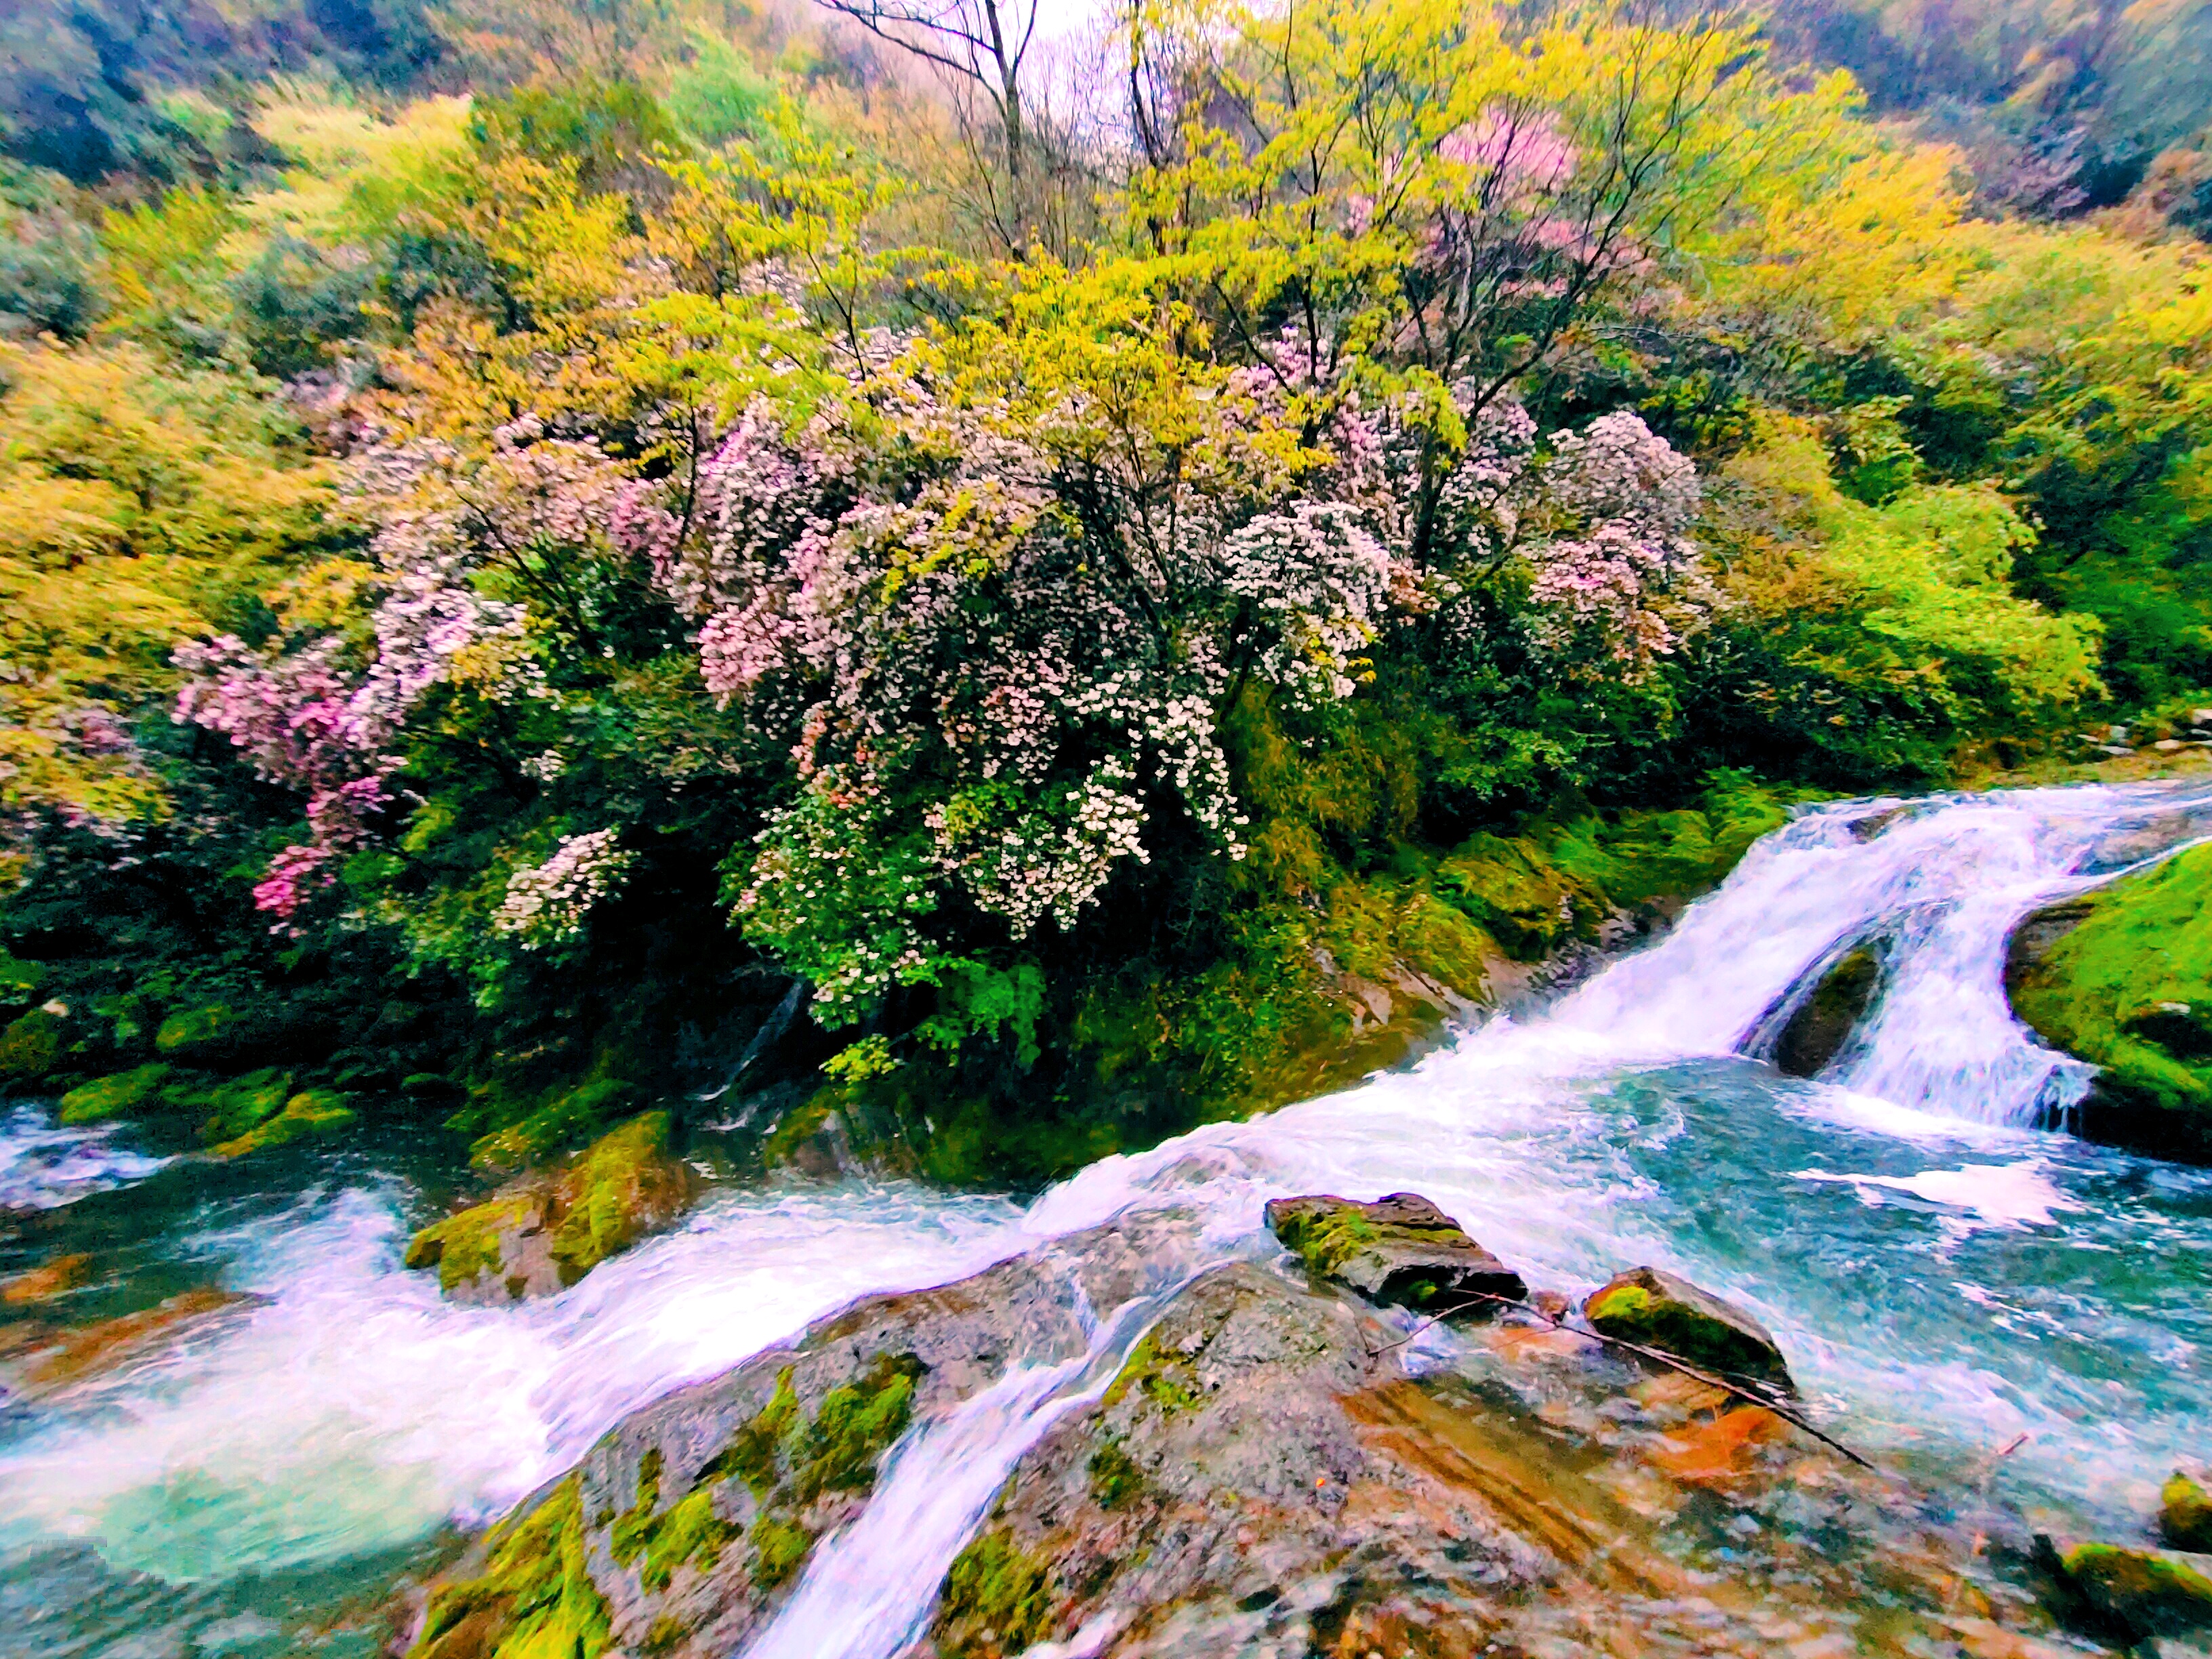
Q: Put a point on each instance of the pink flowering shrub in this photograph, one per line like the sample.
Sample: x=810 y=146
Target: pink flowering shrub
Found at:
x=546 y=904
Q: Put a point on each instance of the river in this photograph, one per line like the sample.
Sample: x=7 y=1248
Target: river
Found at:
x=1945 y=1267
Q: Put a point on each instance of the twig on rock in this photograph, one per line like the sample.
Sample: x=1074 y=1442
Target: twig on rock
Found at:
x=1749 y=1396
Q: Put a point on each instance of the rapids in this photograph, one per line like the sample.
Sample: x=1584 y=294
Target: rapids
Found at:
x=1945 y=1267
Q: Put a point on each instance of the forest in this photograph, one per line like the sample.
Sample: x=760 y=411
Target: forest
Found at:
x=1028 y=586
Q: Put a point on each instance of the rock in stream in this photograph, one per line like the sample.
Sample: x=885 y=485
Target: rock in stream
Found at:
x=1274 y=1468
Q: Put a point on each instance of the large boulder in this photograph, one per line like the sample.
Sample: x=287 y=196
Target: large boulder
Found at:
x=1655 y=1309
x=1259 y=1470
x=1399 y=1250
x=544 y=1233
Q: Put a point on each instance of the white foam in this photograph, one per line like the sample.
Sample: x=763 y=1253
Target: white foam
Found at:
x=2009 y=1195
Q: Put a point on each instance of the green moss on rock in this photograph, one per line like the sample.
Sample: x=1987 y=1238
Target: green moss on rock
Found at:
x=688 y=1532
x=997 y=1599
x=623 y=1185
x=2185 y=1517
x=133 y=1090
x=1655 y=1309
x=1114 y=1477
x=2128 y=989
x=535 y=1599
x=195 y=1032
x=2143 y=1592
x=310 y=1114
x=472 y=1243
x=31 y=1047
x=779 y=1546
x=232 y=1108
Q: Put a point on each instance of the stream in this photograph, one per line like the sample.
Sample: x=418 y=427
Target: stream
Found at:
x=1946 y=1269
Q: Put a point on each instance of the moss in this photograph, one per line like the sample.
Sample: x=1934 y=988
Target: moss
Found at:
x=619 y=1187
x=1636 y=1313
x=563 y=1117
x=997 y=1599
x=2129 y=989
x=2185 y=1519
x=309 y=1114
x=111 y=1097
x=1528 y=903
x=854 y=1426
x=688 y=1532
x=1114 y=1477
x=2144 y=1591
x=31 y=1047
x=463 y=1245
x=798 y=1126
x=535 y=1599
x=753 y=1453
x=243 y=1104
x=189 y=1031
x=779 y=1548
x=1326 y=1239
x=1158 y=1375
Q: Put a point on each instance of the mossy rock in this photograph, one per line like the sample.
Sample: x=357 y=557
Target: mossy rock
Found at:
x=31 y=1047
x=117 y=1095
x=198 y=1033
x=310 y=1114
x=1819 y=1026
x=2185 y=1517
x=237 y=1106
x=1399 y=1250
x=2142 y=1593
x=479 y=1243
x=533 y=1600
x=1655 y=1309
x=1518 y=895
x=563 y=1118
x=2122 y=977
x=620 y=1187
x=997 y=1599
x=545 y=1233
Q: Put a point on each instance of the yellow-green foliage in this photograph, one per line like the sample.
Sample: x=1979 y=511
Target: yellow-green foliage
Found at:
x=2130 y=988
x=140 y=504
x=1928 y=571
x=535 y=1599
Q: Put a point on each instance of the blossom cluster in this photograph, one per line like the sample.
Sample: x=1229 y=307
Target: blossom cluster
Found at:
x=546 y=904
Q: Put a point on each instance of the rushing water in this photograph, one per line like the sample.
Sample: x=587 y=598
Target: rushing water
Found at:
x=1945 y=1272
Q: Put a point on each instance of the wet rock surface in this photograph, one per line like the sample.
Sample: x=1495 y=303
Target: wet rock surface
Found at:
x=38 y=1361
x=1821 y=1024
x=1399 y=1250
x=1273 y=1468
